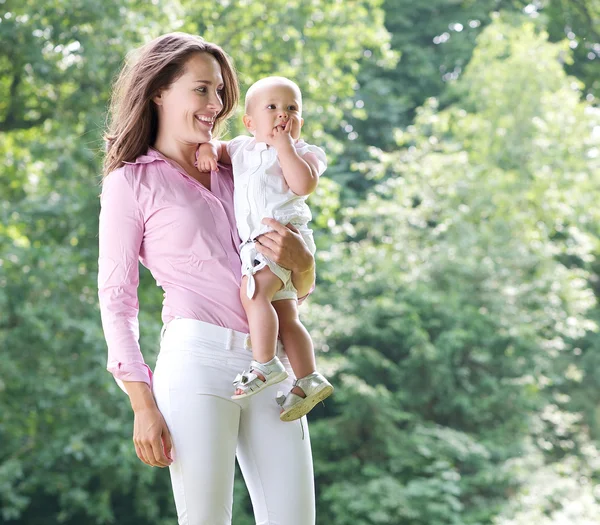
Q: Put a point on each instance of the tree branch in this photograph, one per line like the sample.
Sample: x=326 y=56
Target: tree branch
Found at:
x=12 y=122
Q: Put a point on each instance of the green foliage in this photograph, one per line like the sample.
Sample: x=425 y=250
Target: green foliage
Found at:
x=450 y=297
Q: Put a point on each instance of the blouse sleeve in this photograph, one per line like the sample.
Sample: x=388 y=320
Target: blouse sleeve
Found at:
x=120 y=236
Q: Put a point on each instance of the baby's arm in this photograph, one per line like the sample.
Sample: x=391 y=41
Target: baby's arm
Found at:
x=210 y=153
x=300 y=173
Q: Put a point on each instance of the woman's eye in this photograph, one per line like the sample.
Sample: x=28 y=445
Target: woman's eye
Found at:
x=201 y=89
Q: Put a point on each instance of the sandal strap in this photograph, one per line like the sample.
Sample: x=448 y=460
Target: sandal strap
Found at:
x=310 y=382
x=250 y=380
x=288 y=401
x=280 y=398
x=245 y=380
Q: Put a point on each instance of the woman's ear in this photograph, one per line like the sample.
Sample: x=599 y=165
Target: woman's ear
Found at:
x=157 y=99
x=247 y=119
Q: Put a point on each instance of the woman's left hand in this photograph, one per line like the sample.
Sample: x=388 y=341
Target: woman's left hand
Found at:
x=285 y=246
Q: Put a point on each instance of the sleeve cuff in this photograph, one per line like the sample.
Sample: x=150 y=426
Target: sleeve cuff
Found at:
x=139 y=372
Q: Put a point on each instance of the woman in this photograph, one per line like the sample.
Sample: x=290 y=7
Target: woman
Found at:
x=159 y=209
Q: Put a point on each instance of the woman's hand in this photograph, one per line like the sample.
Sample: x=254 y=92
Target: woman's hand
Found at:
x=151 y=438
x=151 y=435
x=285 y=246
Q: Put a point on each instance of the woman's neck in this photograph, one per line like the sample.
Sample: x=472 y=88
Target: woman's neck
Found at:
x=182 y=153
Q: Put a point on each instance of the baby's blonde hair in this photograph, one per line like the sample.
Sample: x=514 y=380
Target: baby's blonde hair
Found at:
x=266 y=82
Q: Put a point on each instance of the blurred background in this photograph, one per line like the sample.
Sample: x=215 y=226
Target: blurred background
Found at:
x=458 y=240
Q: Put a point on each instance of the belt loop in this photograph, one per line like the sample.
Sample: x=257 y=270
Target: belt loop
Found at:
x=229 y=341
x=162 y=331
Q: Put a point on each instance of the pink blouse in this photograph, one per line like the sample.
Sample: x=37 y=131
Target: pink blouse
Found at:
x=184 y=234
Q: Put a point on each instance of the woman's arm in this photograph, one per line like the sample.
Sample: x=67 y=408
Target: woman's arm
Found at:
x=120 y=236
x=121 y=230
x=285 y=246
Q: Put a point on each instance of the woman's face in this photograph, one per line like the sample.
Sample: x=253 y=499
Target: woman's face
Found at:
x=188 y=107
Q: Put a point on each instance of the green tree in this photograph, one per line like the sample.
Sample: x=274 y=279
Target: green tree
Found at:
x=448 y=304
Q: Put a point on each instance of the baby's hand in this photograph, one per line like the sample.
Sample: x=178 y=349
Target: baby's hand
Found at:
x=207 y=157
x=281 y=137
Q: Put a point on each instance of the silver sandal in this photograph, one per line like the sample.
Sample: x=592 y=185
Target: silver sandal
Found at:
x=315 y=387
x=251 y=383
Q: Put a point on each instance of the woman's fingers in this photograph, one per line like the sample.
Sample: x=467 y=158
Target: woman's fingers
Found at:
x=276 y=225
x=262 y=246
x=274 y=244
x=149 y=430
x=144 y=452
x=140 y=453
x=151 y=452
x=167 y=443
x=158 y=453
x=270 y=240
x=148 y=454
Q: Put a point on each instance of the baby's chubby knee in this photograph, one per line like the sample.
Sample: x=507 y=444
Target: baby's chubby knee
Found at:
x=260 y=287
x=260 y=296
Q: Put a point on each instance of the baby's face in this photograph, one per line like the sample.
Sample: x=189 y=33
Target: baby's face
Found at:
x=271 y=107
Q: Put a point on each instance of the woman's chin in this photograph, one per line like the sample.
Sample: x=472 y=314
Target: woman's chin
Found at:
x=202 y=137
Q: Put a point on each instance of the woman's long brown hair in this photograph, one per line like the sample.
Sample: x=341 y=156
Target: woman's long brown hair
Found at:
x=133 y=120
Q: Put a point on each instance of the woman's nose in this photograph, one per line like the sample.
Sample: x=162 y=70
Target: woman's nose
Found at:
x=216 y=102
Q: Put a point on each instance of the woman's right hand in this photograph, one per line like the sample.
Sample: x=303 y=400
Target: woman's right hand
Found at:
x=152 y=438
x=151 y=435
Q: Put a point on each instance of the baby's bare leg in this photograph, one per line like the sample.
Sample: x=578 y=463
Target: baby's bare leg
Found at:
x=295 y=338
x=262 y=318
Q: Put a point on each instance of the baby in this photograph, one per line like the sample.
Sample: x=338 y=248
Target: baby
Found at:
x=273 y=174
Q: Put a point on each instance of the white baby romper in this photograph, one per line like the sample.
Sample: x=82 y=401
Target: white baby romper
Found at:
x=260 y=191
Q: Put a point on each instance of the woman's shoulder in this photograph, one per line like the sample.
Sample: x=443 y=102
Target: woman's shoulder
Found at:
x=132 y=171
x=137 y=179
x=119 y=176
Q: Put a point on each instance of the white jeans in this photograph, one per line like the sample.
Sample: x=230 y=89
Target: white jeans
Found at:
x=193 y=387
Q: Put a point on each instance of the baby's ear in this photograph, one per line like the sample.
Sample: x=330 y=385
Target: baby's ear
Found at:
x=247 y=119
x=301 y=123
